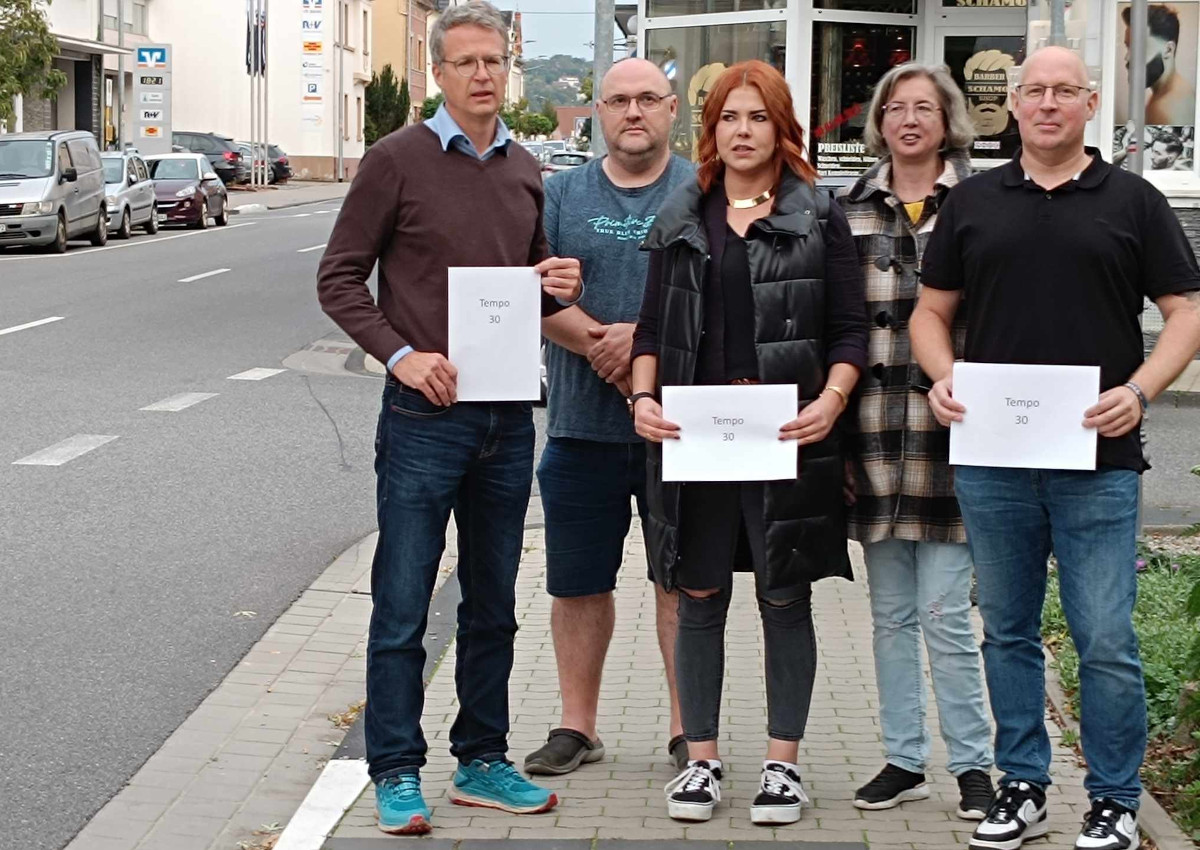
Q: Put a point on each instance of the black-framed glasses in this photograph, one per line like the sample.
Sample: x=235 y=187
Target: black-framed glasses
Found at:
x=924 y=110
x=496 y=66
x=647 y=101
x=1063 y=92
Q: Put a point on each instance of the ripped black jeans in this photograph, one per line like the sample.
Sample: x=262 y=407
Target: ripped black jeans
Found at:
x=791 y=661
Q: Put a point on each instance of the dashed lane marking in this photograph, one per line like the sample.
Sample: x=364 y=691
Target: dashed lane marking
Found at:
x=195 y=277
x=176 y=403
x=67 y=450
x=312 y=248
x=255 y=374
x=29 y=325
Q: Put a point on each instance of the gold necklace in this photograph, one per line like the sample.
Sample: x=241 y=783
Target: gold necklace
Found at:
x=750 y=203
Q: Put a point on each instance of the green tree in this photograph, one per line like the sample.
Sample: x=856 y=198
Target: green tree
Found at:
x=386 y=105
x=585 y=88
x=404 y=102
x=27 y=51
x=550 y=111
x=535 y=124
x=429 y=106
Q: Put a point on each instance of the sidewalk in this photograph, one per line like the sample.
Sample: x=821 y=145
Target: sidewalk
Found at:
x=238 y=770
x=294 y=193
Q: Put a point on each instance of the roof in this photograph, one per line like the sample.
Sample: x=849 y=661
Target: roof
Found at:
x=46 y=135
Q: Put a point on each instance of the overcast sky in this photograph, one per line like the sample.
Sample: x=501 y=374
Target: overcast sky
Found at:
x=555 y=26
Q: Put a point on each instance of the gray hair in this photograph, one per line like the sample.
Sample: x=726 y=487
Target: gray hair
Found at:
x=960 y=132
x=476 y=13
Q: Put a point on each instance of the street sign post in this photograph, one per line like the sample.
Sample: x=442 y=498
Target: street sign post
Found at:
x=151 y=110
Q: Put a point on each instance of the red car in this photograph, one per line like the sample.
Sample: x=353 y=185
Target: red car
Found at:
x=188 y=190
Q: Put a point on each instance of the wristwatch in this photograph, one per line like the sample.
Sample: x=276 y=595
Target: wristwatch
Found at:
x=635 y=398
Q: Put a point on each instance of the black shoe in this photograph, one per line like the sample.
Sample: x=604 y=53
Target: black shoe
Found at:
x=780 y=797
x=1017 y=814
x=1108 y=826
x=563 y=751
x=677 y=752
x=694 y=793
x=975 y=794
x=891 y=787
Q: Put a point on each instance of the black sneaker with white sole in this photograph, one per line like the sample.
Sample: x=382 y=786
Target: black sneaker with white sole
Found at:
x=974 y=794
x=1108 y=826
x=694 y=793
x=891 y=787
x=780 y=795
x=1017 y=814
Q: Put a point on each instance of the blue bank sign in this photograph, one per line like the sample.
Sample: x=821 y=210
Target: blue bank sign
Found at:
x=150 y=112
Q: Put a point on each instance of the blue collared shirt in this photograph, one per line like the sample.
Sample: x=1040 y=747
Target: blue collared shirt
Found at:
x=452 y=135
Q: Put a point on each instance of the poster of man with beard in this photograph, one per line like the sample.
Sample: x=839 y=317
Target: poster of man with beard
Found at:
x=980 y=65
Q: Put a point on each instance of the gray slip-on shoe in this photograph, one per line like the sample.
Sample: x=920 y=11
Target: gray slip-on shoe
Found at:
x=563 y=752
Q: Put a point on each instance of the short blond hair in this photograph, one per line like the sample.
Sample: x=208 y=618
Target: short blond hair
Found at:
x=960 y=132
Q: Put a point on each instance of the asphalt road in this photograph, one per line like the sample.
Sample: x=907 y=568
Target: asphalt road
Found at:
x=135 y=576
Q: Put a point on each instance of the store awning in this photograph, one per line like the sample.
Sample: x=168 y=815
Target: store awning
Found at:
x=68 y=45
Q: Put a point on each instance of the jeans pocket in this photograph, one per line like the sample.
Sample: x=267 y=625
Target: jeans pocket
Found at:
x=409 y=402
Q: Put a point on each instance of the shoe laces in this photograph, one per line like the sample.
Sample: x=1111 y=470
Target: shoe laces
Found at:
x=975 y=782
x=883 y=778
x=697 y=777
x=1101 y=821
x=777 y=782
x=1008 y=802
x=404 y=787
x=508 y=777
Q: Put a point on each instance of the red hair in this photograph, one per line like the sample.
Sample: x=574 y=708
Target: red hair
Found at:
x=777 y=96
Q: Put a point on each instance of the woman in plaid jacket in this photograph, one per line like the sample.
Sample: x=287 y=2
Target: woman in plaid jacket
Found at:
x=899 y=480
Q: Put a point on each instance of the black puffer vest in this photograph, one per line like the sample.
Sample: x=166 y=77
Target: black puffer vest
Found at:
x=804 y=519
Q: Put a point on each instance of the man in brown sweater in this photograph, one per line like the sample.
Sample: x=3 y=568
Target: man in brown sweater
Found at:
x=451 y=192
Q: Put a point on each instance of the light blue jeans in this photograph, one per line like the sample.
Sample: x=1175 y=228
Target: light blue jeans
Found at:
x=925 y=588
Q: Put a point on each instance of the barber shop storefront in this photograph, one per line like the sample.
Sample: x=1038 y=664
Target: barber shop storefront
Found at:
x=833 y=52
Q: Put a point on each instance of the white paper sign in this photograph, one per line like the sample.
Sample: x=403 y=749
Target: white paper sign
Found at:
x=496 y=333
x=729 y=433
x=1030 y=417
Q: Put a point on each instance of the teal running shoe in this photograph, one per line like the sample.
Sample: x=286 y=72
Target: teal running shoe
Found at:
x=399 y=806
x=498 y=785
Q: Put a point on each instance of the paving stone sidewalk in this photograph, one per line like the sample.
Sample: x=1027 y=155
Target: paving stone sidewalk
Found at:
x=621 y=797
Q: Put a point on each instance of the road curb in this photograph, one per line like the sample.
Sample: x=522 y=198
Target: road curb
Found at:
x=1180 y=399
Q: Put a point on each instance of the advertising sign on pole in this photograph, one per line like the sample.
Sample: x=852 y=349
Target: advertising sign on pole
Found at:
x=152 y=98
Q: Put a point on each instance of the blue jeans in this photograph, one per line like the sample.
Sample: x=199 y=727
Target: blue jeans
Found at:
x=1014 y=519
x=925 y=588
x=477 y=460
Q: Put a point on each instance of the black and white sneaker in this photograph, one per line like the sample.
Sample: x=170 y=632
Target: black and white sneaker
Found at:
x=1108 y=826
x=780 y=796
x=891 y=787
x=694 y=793
x=1017 y=814
x=974 y=794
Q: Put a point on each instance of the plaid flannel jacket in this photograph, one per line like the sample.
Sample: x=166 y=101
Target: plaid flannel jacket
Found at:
x=903 y=482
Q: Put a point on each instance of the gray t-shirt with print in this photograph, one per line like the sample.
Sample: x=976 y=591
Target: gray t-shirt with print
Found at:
x=603 y=225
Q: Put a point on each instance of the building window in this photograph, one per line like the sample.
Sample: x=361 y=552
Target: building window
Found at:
x=847 y=61
x=420 y=54
x=664 y=8
x=366 y=32
x=901 y=7
x=140 y=26
x=347 y=35
x=693 y=58
x=359 y=115
x=346 y=117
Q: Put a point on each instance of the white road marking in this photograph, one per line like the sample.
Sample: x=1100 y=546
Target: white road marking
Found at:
x=29 y=325
x=300 y=215
x=202 y=276
x=131 y=244
x=67 y=450
x=176 y=403
x=255 y=374
x=339 y=785
x=322 y=212
x=313 y=248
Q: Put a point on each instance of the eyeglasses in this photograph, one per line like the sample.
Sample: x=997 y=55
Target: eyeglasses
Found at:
x=646 y=101
x=1063 y=92
x=497 y=66
x=924 y=110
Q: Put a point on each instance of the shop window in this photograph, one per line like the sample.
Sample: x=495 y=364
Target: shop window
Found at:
x=664 y=8
x=899 y=7
x=988 y=4
x=693 y=58
x=847 y=61
x=981 y=66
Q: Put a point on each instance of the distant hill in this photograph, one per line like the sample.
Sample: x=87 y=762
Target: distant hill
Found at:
x=541 y=72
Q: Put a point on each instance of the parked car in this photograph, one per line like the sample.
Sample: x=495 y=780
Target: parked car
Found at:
x=564 y=162
x=51 y=189
x=130 y=194
x=188 y=191
x=537 y=149
x=222 y=152
x=280 y=168
x=553 y=146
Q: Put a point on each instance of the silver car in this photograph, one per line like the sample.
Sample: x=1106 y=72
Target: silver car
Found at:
x=51 y=189
x=130 y=193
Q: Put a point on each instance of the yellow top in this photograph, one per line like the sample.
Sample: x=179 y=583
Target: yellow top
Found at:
x=914 y=210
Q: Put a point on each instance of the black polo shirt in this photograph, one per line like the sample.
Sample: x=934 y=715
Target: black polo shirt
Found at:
x=1059 y=277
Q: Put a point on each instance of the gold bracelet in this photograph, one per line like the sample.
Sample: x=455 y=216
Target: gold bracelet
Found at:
x=841 y=393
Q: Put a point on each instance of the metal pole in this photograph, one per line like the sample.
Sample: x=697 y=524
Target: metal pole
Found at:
x=341 y=115
x=1138 y=31
x=605 y=18
x=120 y=76
x=1058 y=22
x=266 y=100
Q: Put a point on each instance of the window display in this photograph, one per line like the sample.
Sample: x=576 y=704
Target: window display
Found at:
x=980 y=66
x=662 y=8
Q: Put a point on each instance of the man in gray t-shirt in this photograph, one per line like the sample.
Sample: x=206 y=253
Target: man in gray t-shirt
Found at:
x=594 y=463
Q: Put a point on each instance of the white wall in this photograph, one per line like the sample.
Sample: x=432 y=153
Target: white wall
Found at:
x=75 y=18
x=210 y=88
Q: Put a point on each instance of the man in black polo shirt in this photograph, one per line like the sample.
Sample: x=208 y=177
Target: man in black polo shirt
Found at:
x=1054 y=252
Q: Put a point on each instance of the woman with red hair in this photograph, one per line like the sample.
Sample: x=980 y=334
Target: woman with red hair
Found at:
x=753 y=278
